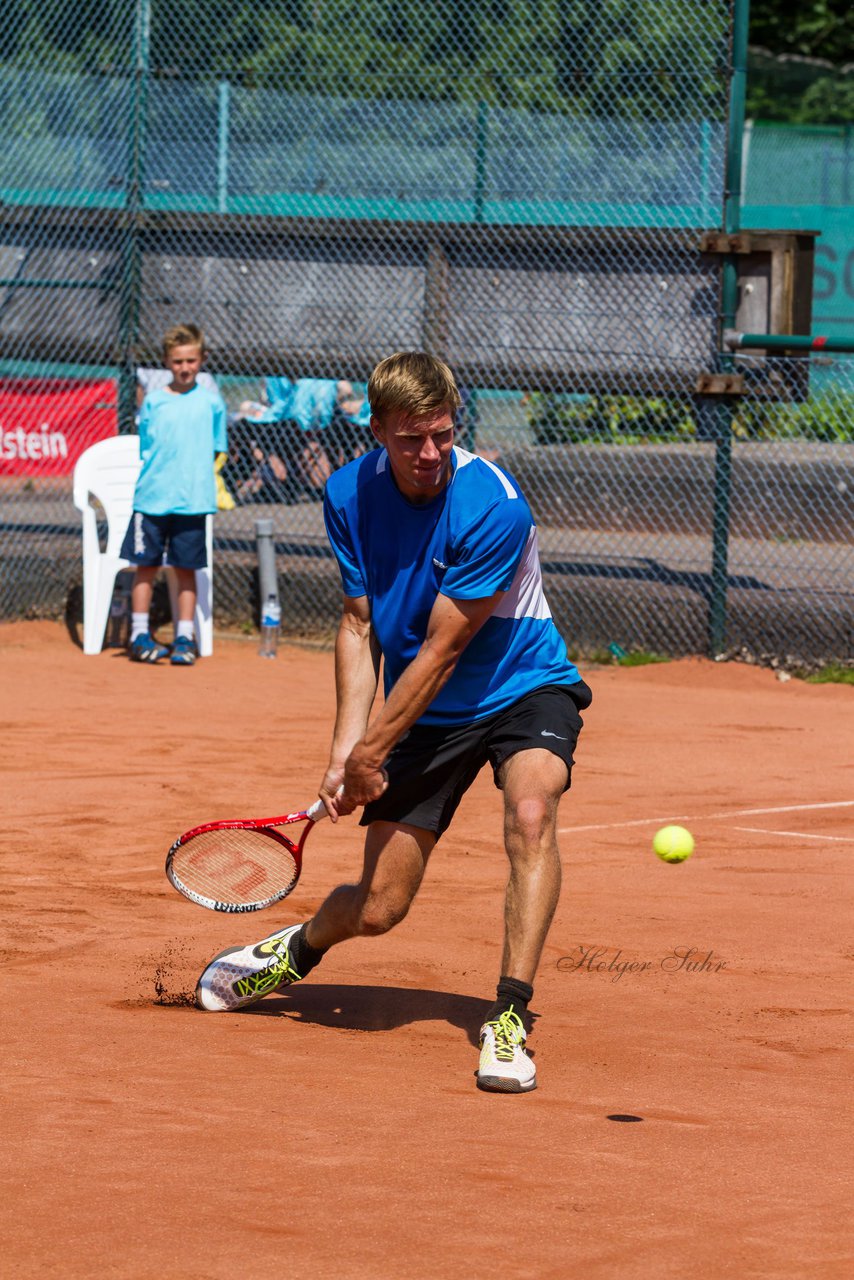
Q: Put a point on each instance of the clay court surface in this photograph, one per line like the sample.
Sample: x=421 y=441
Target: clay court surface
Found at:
x=336 y=1130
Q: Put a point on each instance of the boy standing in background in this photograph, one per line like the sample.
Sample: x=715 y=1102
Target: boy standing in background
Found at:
x=181 y=429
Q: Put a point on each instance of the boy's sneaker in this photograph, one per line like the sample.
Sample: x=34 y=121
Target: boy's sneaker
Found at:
x=240 y=976
x=504 y=1065
x=183 y=652
x=146 y=649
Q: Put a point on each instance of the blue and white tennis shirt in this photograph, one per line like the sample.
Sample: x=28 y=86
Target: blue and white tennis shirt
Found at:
x=477 y=537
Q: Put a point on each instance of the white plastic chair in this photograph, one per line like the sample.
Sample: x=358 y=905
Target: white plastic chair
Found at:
x=108 y=473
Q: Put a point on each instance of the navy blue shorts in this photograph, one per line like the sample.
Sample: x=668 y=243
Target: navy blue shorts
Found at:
x=182 y=538
x=433 y=766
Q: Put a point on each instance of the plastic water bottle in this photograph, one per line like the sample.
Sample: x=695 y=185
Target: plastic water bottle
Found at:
x=271 y=617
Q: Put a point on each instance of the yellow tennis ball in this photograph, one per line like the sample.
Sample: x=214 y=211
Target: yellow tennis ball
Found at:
x=673 y=844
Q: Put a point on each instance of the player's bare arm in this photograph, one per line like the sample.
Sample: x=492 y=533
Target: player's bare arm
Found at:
x=357 y=664
x=453 y=623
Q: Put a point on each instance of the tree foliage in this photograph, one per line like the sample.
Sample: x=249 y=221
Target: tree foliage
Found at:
x=813 y=29
x=637 y=58
x=804 y=92
x=614 y=57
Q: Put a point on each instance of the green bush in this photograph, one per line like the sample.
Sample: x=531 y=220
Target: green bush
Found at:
x=828 y=418
x=556 y=419
x=577 y=419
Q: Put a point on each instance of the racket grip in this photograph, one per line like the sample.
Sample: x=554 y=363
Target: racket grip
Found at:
x=317 y=810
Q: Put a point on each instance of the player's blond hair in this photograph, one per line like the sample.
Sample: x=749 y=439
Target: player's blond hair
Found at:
x=183 y=335
x=413 y=382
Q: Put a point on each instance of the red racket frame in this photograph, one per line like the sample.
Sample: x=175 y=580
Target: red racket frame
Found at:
x=311 y=816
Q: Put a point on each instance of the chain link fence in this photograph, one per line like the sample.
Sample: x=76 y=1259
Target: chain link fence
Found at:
x=519 y=188
x=788 y=164
x=626 y=492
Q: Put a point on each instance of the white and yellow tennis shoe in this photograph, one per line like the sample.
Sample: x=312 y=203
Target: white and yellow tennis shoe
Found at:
x=505 y=1066
x=241 y=976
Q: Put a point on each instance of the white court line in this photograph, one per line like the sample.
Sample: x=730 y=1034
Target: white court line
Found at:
x=729 y=813
x=637 y=822
x=789 y=808
x=799 y=835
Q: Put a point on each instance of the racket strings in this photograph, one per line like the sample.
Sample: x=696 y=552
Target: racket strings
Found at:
x=236 y=865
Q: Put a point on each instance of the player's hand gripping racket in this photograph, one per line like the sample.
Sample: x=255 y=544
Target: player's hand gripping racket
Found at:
x=241 y=865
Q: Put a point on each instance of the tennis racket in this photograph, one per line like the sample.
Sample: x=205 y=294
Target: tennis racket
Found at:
x=244 y=864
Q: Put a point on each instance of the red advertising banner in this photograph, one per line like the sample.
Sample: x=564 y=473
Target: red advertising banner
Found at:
x=46 y=423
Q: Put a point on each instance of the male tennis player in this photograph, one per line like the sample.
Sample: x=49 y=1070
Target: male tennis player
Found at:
x=438 y=557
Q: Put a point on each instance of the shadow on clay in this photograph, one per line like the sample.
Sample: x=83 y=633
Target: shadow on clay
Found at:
x=362 y=1008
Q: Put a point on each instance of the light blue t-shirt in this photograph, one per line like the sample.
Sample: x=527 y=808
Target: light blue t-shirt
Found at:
x=178 y=437
x=309 y=402
x=477 y=537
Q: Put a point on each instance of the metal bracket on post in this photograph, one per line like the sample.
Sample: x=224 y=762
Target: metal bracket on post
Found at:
x=719 y=384
x=726 y=242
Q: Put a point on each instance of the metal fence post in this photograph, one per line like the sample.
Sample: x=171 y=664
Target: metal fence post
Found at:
x=132 y=247
x=705 y=171
x=729 y=306
x=268 y=582
x=224 y=105
x=480 y=159
x=722 y=411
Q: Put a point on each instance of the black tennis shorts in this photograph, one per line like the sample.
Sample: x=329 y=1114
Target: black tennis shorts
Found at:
x=183 y=538
x=432 y=767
